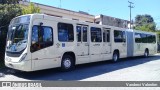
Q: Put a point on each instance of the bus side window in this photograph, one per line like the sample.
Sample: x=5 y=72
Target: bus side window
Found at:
x=151 y=38
x=119 y=36
x=106 y=36
x=42 y=37
x=79 y=33
x=65 y=32
x=144 y=38
x=35 y=35
x=84 y=34
x=138 y=38
x=96 y=35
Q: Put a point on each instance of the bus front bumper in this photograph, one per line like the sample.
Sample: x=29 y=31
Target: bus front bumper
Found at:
x=22 y=66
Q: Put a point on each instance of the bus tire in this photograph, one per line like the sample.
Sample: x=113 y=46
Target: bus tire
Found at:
x=67 y=63
x=115 y=57
x=146 y=53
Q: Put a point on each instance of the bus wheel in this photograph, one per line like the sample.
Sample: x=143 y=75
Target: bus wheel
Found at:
x=67 y=63
x=115 y=57
x=146 y=53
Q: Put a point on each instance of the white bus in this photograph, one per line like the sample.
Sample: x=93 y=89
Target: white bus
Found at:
x=38 y=41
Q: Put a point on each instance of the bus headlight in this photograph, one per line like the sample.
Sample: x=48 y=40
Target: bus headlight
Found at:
x=23 y=57
x=8 y=59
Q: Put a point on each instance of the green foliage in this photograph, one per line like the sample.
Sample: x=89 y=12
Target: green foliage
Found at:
x=30 y=9
x=9 y=9
x=146 y=27
x=9 y=1
x=145 y=23
x=158 y=35
x=7 y=12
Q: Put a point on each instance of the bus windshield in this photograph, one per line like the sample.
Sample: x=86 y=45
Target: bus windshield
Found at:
x=17 y=38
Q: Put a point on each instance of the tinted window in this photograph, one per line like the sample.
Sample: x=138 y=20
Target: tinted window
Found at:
x=106 y=36
x=35 y=34
x=47 y=34
x=154 y=38
x=151 y=38
x=84 y=34
x=119 y=36
x=79 y=33
x=42 y=37
x=138 y=38
x=144 y=38
x=65 y=32
x=96 y=35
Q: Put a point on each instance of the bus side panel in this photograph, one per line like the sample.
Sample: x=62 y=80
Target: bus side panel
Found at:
x=152 y=48
x=120 y=46
x=138 y=47
x=95 y=49
x=130 y=44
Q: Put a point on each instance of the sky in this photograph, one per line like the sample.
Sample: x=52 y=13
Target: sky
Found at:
x=114 y=8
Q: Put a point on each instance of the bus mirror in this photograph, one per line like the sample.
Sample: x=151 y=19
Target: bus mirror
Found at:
x=40 y=24
x=124 y=40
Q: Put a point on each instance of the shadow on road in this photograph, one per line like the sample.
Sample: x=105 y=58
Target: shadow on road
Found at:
x=85 y=70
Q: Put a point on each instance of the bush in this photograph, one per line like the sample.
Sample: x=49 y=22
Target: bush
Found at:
x=2 y=48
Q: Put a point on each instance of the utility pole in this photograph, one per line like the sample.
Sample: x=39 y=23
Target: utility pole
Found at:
x=130 y=6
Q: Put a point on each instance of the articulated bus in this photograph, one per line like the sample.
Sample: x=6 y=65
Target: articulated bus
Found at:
x=38 y=41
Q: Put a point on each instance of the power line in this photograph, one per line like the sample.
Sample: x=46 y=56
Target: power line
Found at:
x=130 y=6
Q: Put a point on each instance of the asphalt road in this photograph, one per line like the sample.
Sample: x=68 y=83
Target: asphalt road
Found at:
x=129 y=69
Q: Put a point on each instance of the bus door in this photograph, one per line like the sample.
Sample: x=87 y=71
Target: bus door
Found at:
x=82 y=44
x=123 y=45
x=106 y=51
x=42 y=45
x=120 y=42
x=96 y=44
x=138 y=44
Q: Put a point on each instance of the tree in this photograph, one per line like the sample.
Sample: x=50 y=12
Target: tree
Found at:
x=145 y=23
x=7 y=12
x=30 y=9
x=9 y=1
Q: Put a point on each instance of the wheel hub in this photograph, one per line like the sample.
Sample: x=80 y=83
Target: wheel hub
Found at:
x=67 y=63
